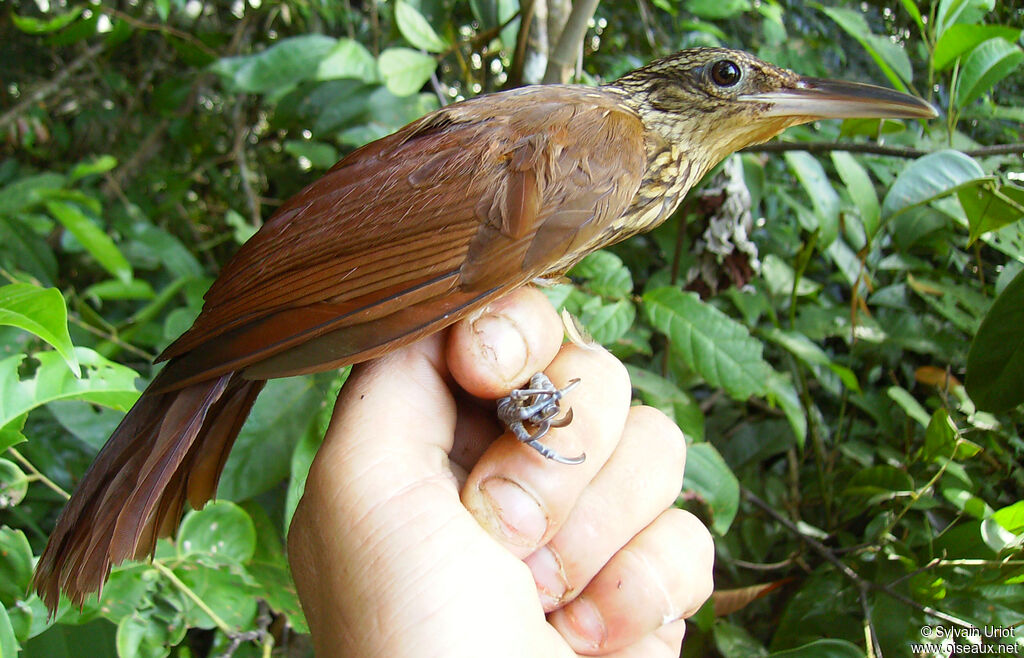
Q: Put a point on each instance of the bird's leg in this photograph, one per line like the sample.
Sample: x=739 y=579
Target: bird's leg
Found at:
x=537 y=406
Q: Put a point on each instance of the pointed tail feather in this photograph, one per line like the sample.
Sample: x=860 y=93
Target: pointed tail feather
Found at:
x=136 y=489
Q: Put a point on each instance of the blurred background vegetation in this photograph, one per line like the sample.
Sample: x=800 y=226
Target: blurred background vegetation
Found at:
x=836 y=320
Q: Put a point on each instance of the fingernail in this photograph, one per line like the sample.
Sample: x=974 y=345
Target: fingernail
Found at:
x=518 y=515
x=585 y=623
x=549 y=575
x=502 y=343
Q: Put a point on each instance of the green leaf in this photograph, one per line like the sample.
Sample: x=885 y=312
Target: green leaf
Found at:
x=784 y=394
x=928 y=178
x=822 y=649
x=13 y=484
x=709 y=476
x=143 y=635
x=606 y=275
x=717 y=9
x=282 y=66
x=963 y=38
x=9 y=646
x=95 y=241
x=416 y=29
x=811 y=354
x=991 y=205
x=861 y=189
x=823 y=196
x=224 y=588
x=103 y=382
x=31 y=25
x=1011 y=517
x=26 y=192
x=882 y=481
x=260 y=457
x=15 y=566
x=607 y=323
x=674 y=402
x=221 y=528
x=909 y=404
x=939 y=437
x=710 y=342
x=269 y=566
x=320 y=155
x=986 y=65
x=995 y=363
x=98 y=165
x=349 y=59
x=42 y=312
x=114 y=289
x=405 y=71
x=891 y=58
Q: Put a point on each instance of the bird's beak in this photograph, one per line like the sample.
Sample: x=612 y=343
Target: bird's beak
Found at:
x=817 y=98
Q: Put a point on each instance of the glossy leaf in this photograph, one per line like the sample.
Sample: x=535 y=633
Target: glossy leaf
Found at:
x=105 y=383
x=15 y=565
x=823 y=196
x=42 y=312
x=348 y=59
x=891 y=58
x=32 y=25
x=405 y=71
x=930 y=177
x=677 y=404
x=995 y=363
x=13 y=484
x=717 y=9
x=221 y=528
x=1011 y=517
x=283 y=65
x=98 y=165
x=862 y=190
x=991 y=205
x=8 y=643
x=416 y=29
x=985 y=66
x=909 y=404
x=92 y=237
x=940 y=436
x=962 y=38
x=709 y=477
x=712 y=344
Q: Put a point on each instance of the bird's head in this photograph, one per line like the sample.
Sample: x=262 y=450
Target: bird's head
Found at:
x=721 y=100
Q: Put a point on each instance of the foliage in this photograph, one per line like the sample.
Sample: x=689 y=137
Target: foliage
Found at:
x=850 y=477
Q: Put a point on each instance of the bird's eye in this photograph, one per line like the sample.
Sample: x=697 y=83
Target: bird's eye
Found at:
x=725 y=73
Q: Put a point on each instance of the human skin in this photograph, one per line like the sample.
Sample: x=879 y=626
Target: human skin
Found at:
x=419 y=534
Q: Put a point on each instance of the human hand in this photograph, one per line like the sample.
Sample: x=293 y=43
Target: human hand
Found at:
x=536 y=558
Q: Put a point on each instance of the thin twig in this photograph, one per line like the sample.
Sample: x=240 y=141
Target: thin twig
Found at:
x=160 y=27
x=826 y=553
x=878 y=149
x=54 y=85
x=238 y=152
x=195 y=598
x=37 y=474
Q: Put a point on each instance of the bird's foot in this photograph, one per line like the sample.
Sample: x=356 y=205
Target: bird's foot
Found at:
x=537 y=407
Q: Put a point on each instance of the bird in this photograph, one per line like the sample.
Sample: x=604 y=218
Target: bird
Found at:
x=408 y=234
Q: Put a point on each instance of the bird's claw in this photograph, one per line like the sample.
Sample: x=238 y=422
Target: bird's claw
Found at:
x=537 y=406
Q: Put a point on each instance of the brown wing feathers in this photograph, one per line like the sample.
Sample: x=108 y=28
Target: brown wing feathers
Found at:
x=398 y=240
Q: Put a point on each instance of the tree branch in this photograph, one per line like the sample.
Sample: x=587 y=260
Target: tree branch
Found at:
x=861 y=583
x=563 y=57
x=54 y=85
x=877 y=149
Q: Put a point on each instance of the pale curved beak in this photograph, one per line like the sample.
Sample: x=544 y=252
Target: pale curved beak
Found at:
x=818 y=98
